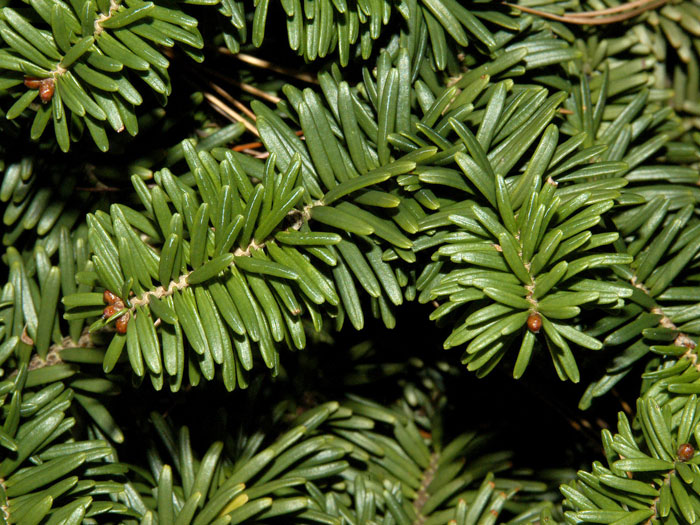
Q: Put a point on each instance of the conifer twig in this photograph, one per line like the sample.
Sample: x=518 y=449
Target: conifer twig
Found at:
x=228 y=112
x=227 y=96
x=300 y=217
x=265 y=64
x=272 y=99
x=255 y=145
x=619 y=13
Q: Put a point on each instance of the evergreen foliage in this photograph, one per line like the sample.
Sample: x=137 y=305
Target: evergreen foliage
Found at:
x=524 y=175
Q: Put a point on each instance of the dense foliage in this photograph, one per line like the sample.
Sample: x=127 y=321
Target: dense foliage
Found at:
x=216 y=211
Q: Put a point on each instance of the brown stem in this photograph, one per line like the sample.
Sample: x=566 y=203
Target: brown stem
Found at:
x=254 y=145
x=612 y=10
x=588 y=18
x=265 y=64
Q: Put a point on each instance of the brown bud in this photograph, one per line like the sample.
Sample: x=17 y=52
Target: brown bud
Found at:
x=110 y=311
x=685 y=452
x=32 y=82
x=109 y=297
x=534 y=322
x=46 y=88
x=122 y=323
